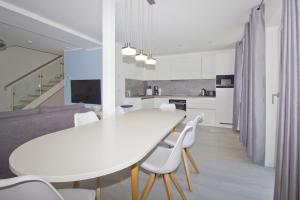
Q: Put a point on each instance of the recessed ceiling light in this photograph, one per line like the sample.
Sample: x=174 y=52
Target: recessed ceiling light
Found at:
x=29 y=41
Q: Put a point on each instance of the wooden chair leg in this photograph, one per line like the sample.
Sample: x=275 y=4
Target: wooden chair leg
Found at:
x=178 y=187
x=168 y=186
x=76 y=184
x=186 y=169
x=148 y=187
x=189 y=155
x=98 y=188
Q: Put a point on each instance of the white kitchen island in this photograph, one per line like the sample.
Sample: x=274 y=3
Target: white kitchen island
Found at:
x=97 y=149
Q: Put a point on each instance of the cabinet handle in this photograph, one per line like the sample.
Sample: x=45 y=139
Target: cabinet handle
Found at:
x=273 y=97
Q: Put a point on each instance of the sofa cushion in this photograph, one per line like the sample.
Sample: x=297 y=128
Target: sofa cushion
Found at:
x=18 y=113
x=61 y=108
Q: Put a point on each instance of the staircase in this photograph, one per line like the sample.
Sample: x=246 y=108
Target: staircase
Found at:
x=35 y=84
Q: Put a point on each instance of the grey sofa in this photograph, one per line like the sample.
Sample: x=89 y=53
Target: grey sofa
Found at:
x=18 y=127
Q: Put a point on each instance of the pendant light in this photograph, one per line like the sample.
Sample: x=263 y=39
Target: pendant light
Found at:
x=127 y=49
x=141 y=57
x=150 y=60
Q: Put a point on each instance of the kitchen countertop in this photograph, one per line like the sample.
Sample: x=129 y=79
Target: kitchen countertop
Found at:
x=169 y=96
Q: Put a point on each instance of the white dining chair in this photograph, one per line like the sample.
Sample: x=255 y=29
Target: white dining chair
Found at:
x=167 y=107
x=188 y=141
x=34 y=188
x=164 y=161
x=81 y=119
x=85 y=118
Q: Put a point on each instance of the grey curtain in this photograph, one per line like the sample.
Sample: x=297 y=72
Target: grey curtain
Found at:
x=288 y=148
x=253 y=104
x=238 y=85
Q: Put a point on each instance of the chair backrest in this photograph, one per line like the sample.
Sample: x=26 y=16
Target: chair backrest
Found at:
x=190 y=136
x=27 y=188
x=85 y=118
x=175 y=157
x=120 y=110
x=167 y=107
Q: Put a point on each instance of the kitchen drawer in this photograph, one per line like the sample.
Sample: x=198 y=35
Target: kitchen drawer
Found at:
x=201 y=106
x=202 y=100
x=209 y=116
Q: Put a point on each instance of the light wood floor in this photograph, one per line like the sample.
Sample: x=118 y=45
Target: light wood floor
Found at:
x=226 y=173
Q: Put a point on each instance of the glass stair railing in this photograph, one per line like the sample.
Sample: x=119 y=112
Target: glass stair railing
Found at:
x=34 y=84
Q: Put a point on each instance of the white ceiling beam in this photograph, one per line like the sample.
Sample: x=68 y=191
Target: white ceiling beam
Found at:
x=43 y=20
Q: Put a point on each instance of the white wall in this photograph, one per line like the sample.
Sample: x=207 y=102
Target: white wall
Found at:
x=15 y=62
x=125 y=70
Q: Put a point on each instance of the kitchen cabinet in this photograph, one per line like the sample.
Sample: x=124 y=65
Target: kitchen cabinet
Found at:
x=208 y=66
x=159 y=101
x=207 y=106
x=148 y=103
x=186 y=67
x=209 y=115
x=135 y=101
x=183 y=67
x=225 y=62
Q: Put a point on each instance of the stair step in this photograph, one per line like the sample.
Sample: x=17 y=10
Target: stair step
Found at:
x=48 y=85
x=34 y=95
x=19 y=107
x=43 y=90
x=26 y=101
x=54 y=81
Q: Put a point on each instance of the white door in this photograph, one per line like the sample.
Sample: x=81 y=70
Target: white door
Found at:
x=272 y=91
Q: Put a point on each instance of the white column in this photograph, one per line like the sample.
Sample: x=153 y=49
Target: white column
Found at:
x=108 y=62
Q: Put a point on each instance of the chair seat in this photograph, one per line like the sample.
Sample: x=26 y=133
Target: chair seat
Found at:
x=77 y=194
x=156 y=160
x=172 y=138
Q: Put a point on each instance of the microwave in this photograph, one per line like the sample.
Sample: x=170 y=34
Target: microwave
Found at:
x=225 y=81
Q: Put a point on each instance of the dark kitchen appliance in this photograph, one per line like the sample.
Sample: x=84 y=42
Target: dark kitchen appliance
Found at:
x=203 y=92
x=155 y=90
x=179 y=103
x=86 y=91
x=210 y=93
x=225 y=81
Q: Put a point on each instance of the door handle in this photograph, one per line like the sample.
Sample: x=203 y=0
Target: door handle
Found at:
x=273 y=97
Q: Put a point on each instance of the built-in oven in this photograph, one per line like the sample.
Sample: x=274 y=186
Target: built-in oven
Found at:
x=179 y=103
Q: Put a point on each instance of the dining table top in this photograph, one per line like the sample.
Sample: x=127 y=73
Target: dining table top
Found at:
x=95 y=149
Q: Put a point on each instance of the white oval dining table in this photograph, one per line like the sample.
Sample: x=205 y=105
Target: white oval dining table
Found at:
x=96 y=149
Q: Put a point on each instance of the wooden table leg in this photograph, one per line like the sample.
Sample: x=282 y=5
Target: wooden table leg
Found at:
x=76 y=184
x=135 y=182
x=98 y=188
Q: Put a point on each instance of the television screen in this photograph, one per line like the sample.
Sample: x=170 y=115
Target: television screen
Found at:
x=86 y=91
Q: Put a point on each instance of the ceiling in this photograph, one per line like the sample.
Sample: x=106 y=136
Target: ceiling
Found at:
x=179 y=26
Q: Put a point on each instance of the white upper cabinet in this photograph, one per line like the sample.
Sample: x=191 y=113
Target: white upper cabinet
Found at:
x=208 y=66
x=225 y=62
x=161 y=71
x=186 y=67
x=204 y=65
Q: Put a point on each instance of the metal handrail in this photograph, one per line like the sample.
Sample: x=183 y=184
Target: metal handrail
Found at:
x=31 y=72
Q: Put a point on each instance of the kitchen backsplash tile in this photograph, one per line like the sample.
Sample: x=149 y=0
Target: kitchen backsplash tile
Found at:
x=168 y=87
x=184 y=87
x=136 y=87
